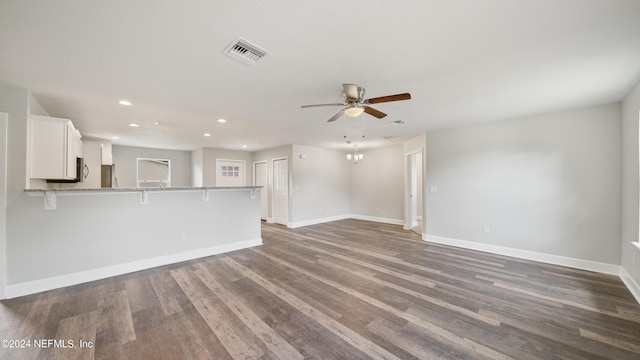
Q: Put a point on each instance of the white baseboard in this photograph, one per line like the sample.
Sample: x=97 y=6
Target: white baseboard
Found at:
x=343 y=217
x=588 y=265
x=631 y=284
x=377 y=219
x=56 y=282
x=297 y=224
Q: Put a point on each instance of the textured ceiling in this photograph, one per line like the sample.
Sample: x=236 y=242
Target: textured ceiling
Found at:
x=462 y=61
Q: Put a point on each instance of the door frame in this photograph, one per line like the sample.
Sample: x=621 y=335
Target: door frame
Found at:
x=264 y=190
x=410 y=183
x=273 y=189
x=4 y=142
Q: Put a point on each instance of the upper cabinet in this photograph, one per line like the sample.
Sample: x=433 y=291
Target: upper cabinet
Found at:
x=55 y=146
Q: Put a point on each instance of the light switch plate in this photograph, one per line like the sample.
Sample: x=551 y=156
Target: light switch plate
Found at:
x=433 y=189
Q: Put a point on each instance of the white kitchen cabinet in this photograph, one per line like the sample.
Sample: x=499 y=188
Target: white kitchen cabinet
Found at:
x=55 y=146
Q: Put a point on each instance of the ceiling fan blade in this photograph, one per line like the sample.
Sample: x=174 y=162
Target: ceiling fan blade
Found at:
x=381 y=99
x=373 y=112
x=350 y=91
x=318 y=105
x=336 y=116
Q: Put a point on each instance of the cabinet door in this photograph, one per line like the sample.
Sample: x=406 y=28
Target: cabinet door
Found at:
x=92 y=154
x=53 y=153
x=70 y=157
x=48 y=148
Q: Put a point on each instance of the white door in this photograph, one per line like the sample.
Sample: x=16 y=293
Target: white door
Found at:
x=280 y=191
x=260 y=179
x=229 y=172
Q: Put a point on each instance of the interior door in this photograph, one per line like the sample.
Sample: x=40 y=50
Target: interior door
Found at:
x=280 y=191
x=260 y=179
x=229 y=172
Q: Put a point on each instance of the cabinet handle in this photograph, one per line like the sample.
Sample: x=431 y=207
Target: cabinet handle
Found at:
x=86 y=171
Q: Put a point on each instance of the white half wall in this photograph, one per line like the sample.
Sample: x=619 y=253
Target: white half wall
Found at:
x=96 y=234
x=546 y=184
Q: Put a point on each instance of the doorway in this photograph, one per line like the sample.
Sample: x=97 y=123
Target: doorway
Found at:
x=260 y=179
x=281 y=191
x=415 y=193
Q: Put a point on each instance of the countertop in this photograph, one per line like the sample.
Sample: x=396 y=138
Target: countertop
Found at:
x=172 y=188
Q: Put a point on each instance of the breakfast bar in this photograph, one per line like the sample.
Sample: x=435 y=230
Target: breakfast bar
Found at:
x=71 y=236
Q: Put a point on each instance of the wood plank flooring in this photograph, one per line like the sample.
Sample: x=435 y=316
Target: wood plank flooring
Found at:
x=348 y=289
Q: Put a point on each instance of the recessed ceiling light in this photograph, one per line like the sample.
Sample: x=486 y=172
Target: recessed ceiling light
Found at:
x=244 y=146
x=134 y=125
x=207 y=134
x=157 y=123
x=222 y=121
x=125 y=102
x=114 y=138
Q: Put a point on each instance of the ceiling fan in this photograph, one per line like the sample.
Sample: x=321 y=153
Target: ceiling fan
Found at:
x=355 y=103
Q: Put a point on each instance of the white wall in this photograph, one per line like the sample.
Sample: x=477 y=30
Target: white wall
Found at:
x=320 y=185
x=377 y=185
x=125 y=161
x=547 y=184
x=209 y=156
x=630 y=181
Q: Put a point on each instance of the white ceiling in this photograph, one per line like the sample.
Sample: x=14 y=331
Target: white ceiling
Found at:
x=463 y=61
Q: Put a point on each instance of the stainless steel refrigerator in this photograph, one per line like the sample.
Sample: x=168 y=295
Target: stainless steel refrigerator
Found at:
x=108 y=176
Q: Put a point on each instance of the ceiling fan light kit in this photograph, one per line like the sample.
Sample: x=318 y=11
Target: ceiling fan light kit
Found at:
x=355 y=104
x=354 y=111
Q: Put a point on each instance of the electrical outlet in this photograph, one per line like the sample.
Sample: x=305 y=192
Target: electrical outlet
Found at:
x=486 y=229
x=183 y=236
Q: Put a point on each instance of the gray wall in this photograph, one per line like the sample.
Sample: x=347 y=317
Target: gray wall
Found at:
x=549 y=184
x=209 y=156
x=630 y=181
x=125 y=160
x=377 y=184
x=320 y=184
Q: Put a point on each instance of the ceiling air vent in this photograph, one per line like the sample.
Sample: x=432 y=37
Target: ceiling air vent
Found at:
x=244 y=51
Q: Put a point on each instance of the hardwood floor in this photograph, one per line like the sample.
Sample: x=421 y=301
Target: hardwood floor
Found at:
x=348 y=289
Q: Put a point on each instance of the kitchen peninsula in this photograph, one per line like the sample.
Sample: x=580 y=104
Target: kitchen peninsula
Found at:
x=71 y=236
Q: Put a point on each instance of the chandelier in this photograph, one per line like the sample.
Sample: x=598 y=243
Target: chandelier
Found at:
x=355 y=157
